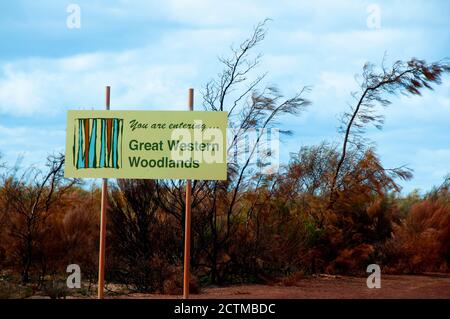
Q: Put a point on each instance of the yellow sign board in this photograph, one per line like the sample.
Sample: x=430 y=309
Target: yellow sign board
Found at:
x=146 y=144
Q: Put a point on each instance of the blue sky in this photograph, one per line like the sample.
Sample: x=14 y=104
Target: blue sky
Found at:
x=151 y=52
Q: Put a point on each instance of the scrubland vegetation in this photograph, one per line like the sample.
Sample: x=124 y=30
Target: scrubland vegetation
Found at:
x=332 y=209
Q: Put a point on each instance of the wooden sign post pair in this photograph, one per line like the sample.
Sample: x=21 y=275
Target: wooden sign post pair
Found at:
x=187 y=230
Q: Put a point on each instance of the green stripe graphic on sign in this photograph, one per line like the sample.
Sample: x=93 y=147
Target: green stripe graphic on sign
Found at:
x=97 y=143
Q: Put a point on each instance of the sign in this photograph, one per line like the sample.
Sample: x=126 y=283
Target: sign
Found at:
x=146 y=144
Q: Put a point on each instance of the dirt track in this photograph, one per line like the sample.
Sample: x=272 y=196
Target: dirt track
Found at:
x=430 y=286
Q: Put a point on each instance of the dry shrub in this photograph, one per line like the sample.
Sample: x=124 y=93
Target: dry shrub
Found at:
x=55 y=290
x=352 y=260
x=14 y=291
x=293 y=279
x=145 y=240
x=354 y=232
x=173 y=285
x=421 y=241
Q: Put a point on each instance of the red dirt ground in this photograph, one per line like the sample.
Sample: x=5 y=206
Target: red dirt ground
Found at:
x=403 y=287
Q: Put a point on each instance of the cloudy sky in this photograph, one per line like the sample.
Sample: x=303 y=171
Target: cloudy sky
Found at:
x=151 y=52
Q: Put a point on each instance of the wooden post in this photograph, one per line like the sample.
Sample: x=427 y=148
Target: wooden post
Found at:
x=187 y=221
x=104 y=204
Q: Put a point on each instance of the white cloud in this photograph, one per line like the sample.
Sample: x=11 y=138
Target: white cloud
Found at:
x=32 y=143
x=19 y=92
x=342 y=83
x=28 y=136
x=157 y=75
x=431 y=166
x=46 y=86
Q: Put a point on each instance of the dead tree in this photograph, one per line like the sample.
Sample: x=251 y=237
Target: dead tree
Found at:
x=251 y=106
x=30 y=198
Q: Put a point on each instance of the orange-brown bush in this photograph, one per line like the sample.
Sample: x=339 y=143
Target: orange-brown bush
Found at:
x=66 y=234
x=421 y=242
x=282 y=227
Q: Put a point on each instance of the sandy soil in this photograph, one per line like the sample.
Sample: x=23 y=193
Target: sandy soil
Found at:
x=424 y=286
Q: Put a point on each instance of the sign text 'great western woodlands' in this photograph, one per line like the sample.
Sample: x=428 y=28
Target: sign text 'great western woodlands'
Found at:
x=146 y=144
